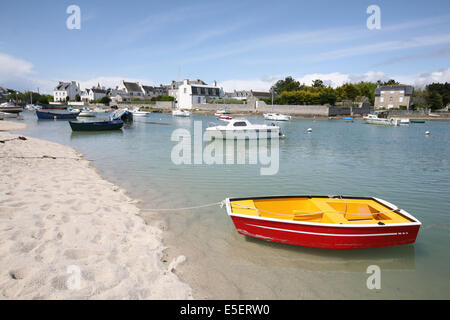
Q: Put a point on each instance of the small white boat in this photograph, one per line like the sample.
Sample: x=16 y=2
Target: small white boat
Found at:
x=138 y=113
x=221 y=112
x=381 y=118
x=276 y=117
x=32 y=107
x=86 y=112
x=404 y=121
x=5 y=115
x=181 y=113
x=100 y=110
x=243 y=129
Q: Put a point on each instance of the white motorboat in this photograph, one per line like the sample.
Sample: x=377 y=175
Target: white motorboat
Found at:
x=381 y=118
x=86 y=112
x=100 y=110
x=181 y=113
x=243 y=129
x=276 y=117
x=5 y=115
x=138 y=113
x=221 y=112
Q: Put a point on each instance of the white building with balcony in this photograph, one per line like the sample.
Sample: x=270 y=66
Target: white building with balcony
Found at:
x=196 y=92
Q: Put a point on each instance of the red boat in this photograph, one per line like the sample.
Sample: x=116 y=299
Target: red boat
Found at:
x=224 y=117
x=330 y=222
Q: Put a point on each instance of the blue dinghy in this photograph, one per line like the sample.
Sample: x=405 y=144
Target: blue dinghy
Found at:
x=57 y=114
x=96 y=126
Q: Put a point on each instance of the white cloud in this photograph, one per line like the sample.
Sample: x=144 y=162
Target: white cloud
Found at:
x=422 y=79
x=263 y=84
x=13 y=67
x=336 y=79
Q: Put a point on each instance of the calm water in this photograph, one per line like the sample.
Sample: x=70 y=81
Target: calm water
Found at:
x=398 y=164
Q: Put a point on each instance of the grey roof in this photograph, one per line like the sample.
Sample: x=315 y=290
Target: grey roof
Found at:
x=62 y=86
x=132 y=86
x=408 y=89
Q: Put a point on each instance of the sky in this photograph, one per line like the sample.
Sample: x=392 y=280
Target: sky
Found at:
x=241 y=44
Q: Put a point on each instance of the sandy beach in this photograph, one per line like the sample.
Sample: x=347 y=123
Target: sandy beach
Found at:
x=66 y=233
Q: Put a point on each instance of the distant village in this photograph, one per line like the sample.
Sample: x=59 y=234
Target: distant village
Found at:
x=186 y=93
x=190 y=93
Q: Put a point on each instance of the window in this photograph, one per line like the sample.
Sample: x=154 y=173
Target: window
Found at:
x=391 y=99
x=400 y=99
x=240 y=124
x=202 y=90
x=381 y=99
x=185 y=90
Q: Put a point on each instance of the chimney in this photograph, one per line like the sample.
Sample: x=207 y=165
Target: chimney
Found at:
x=215 y=83
x=186 y=81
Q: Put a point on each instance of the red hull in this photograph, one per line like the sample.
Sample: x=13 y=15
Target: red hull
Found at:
x=328 y=237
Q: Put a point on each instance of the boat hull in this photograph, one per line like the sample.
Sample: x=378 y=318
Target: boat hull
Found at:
x=326 y=237
x=56 y=114
x=11 y=109
x=96 y=126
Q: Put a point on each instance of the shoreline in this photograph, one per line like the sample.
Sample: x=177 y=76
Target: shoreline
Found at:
x=67 y=233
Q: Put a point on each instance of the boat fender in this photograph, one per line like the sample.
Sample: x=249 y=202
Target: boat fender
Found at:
x=381 y=223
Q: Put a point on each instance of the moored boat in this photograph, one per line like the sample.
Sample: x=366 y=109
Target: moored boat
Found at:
x=137 y=112
x=57 y=114
x=86 y=112
x=242 y=129
x=381 y=118
x=96 y=125
x=122 y=114
x=10 y=108
x=331 y=222
x=221 y=112
x=276 y=117
x=4 y=115
x=181 y=113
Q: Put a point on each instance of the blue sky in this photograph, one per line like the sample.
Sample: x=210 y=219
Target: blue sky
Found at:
x=241 y=44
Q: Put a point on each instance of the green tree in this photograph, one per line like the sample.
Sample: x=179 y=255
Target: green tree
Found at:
x=105 y=100
x=443 y=89
x=288 y=84
x=318 y=83
x=434 y=100
x=77 y=98
x=349 y=91
x=367 y=89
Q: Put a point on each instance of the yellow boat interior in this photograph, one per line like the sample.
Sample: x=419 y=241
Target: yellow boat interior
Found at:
x=319 y=209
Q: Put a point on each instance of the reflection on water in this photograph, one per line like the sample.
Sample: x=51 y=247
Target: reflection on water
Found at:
x=398 y=164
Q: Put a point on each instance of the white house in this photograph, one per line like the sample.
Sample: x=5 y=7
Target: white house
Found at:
x=196 y=92
x=66 y=89
x=94 y=93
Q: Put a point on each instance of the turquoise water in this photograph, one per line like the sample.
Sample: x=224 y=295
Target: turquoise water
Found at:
x=398 y=164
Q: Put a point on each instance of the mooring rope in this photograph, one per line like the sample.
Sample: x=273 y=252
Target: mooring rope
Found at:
x=221 y=203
